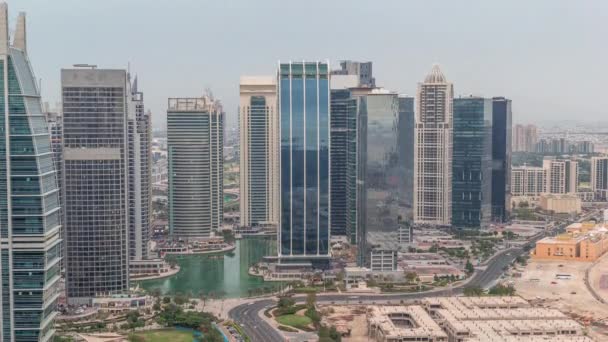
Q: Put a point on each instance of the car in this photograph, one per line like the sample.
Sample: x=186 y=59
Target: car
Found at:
x=553 y=282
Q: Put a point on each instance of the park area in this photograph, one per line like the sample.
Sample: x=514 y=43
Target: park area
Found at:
x=173 y=335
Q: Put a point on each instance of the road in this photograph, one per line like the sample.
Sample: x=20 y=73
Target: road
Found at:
x=248 y=315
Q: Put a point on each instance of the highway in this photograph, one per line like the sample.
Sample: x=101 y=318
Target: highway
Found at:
x=249 y=315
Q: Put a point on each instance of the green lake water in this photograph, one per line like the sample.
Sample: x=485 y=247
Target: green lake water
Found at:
x=217 y=273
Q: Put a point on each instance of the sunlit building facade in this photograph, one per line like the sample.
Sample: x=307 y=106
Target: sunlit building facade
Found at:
x=303 y=89
x=433 y=151
x=29 y=199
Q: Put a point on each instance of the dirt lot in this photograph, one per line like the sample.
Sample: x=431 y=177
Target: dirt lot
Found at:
x=348 y=318
x=539 y=285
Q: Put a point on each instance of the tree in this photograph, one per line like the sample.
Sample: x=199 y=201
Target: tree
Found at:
x=285 y=302
x=473 y=291
x=469 y=267
x=411 y=277
x=502 y=290
x=166 y=300
x=311 y=300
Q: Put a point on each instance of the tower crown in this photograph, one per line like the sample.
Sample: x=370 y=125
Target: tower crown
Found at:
x=435 y=76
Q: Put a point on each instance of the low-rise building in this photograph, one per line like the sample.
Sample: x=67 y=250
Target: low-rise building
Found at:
x=561 y=203
x=581 y=242
x=403 y=323
x=148 y=268
x=123 y=303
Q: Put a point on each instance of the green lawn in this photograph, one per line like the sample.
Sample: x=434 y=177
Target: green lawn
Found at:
x=162 y=335
x=295 y=321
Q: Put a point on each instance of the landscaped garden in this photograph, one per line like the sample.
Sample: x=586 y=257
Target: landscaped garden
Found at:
x=163 y=335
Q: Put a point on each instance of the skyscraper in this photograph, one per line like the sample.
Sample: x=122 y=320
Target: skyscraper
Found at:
x=501 y=158
x=561 y=175
x=195 y=143
x=363 y=71
x=96 y=149
x=406 y=136
x=433 y=151
x=525 y=138
x=259 y=152
x=472 y=163
x=380 y=187
x=305 y=162
x=139 y=130
x=343 y=124
x=30 y=251
x=599 y=177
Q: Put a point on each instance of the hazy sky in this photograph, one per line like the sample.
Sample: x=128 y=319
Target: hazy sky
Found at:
x=549 y=56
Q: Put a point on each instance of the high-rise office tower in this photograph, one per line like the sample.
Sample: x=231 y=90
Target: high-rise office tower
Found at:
x=305 y=162
x=380 y=187
x=195 y=143
x=406 y=135
x=259 y=152
x=363 y=71
x=561 y=175
x=343 y=165
x=29 y=199
x=599 y=177
x=501 y=158
x=528 y=181
x=472 y=163
x=433 y=151
x=96 y=179
x=139 y=131
x=54 y=122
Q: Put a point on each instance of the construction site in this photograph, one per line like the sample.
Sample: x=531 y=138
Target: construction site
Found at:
x=455 y=319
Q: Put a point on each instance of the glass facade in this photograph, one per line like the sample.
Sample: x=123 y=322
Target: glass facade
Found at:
x=471 y=164
x=380 y=187
x=406 y=134
x=29 y=206
x=343 y=162
x=501 y=158
x=195 y=145
x=304 y=131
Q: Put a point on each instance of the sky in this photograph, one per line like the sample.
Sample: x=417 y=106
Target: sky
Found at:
x=549 y=56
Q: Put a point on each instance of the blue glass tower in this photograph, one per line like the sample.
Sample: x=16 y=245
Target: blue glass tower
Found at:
x=304 y=104
x=472 y=163
x=501 y=158
x=29 y=199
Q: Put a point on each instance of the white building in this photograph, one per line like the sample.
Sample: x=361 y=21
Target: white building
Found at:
x=259 y=151
x=528 y=181
x=433 y=150
x=561 y=176
x=599 y=177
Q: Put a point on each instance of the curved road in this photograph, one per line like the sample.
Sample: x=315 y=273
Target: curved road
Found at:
x=248 y=315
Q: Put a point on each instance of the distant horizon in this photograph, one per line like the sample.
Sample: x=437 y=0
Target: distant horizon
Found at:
x=544 y=55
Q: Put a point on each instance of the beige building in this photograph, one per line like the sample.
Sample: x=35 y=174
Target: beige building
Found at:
x=471 y=319
x=599 y=177
x=259 y=152
x=528 y=181
x=525 y=138
x=581 y=242
x=561 y=204
x=433 y=150
x=561 y=176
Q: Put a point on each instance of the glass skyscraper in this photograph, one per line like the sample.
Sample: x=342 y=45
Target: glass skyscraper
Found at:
x=343 y=163
x=29 y=199
x=195 y=143
x=304 y=106
x=406 y=135
x=472 y=163
x=501 y=158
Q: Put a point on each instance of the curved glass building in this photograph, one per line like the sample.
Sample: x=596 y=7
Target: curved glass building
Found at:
x=29 y=199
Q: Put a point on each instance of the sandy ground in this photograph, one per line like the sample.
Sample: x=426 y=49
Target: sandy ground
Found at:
x=351 y=318
x=539 y=285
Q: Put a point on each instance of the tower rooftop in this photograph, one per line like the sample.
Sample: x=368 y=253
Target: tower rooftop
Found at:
x=435 y=76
